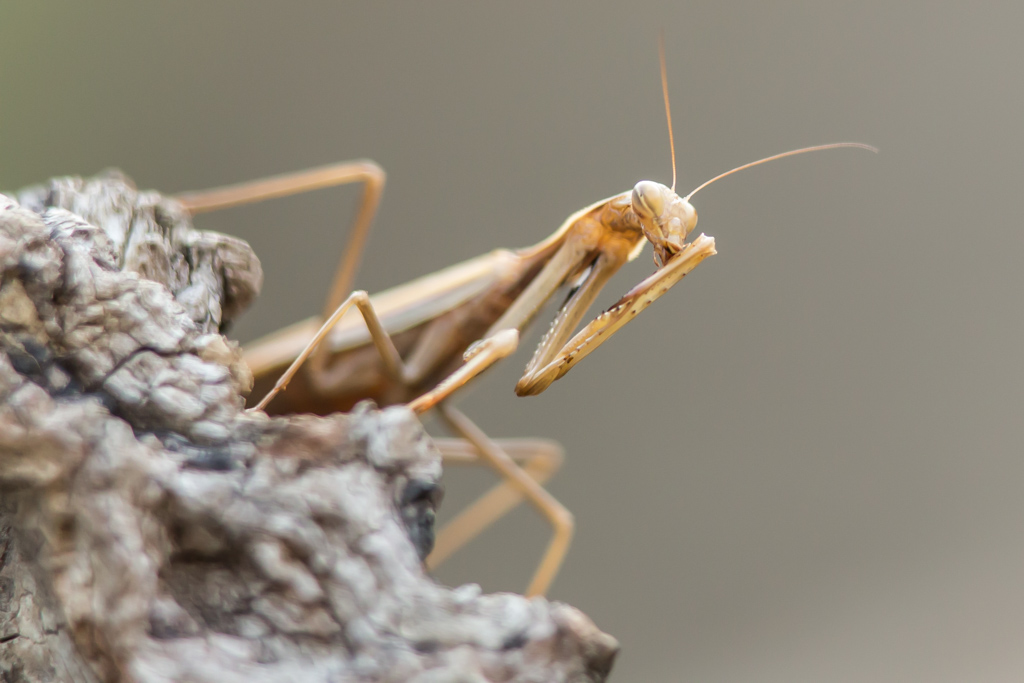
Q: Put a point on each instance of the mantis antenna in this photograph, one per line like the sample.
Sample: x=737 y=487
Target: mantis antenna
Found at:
x=783 y=155
x=668 y=111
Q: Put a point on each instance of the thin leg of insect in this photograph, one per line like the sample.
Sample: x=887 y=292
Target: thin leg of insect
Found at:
x=539 y=458
x=381 y=340
x=365 y=171
x=558 y=516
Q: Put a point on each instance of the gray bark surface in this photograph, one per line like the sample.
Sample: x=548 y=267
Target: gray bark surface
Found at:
x=151 y=530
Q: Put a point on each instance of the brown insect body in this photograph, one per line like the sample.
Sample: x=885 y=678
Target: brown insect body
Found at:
x=354 y=370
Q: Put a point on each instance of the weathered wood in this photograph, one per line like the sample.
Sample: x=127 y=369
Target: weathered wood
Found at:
x=151 y=530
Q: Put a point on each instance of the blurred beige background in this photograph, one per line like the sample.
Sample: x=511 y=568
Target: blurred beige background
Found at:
x=804 y=463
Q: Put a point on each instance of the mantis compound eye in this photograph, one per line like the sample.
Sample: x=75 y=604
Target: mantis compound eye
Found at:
x=687 y=216
x=649 y=199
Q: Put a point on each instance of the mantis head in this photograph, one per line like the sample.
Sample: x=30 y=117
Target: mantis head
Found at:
x=666 y=218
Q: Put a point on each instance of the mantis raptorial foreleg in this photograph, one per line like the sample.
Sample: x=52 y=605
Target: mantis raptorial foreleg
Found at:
x=548 y=364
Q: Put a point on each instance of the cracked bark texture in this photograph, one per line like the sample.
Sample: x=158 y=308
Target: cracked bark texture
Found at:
x=151 y=530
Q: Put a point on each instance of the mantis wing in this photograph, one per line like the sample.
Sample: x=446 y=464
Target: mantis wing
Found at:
x=400 y=308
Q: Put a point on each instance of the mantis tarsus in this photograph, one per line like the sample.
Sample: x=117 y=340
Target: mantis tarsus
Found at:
x=420 y=341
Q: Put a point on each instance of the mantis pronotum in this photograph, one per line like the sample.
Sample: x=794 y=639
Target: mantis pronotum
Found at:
x=420 y=341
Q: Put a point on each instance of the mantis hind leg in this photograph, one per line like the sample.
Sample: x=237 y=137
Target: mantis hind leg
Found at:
x=520 y=483
x=362 y=171
x=539 y=458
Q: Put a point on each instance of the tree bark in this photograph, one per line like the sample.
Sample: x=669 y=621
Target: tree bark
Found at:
x=152 y=530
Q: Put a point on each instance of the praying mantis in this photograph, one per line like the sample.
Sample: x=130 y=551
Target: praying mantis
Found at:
x=419 y=342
